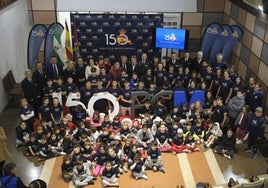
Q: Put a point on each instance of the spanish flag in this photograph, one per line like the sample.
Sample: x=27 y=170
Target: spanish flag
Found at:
x=68 y=47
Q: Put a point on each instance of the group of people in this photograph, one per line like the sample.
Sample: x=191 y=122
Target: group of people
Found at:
x=96 y=145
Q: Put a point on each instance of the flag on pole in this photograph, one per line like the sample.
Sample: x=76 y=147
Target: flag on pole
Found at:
x=58 y=51
x=68 y=47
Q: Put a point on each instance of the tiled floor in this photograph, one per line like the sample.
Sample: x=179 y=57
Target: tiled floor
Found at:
x=29 y=169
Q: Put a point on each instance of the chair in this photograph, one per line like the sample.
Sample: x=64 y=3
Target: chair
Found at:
x=12 y=80
x=15 y=93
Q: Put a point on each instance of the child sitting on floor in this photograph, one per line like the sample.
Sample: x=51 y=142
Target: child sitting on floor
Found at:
x=109 y=176
x=82 y=175
x=67 y=168
x=138 y=168
x=153 y=161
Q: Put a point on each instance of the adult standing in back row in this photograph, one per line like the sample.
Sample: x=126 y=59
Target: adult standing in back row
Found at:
x=255 y=129
x=54 y=69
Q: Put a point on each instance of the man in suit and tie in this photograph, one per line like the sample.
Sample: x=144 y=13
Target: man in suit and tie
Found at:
x=80 y=68
x=125 y=64
x=135 y=67
x=29 y=89
x=173 y=61
x=54 y=70
x=145 y=64
x=186 y=61
x=39 y=77
x=197 y=62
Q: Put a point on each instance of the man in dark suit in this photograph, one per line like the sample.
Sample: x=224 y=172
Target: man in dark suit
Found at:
x=135 y=67
x=186 y=61
x=145 y=64
x=197 y=62
x=126 y=65
x=54 y=70
x=39 y=77
x=173 y=61
x=80 y=68
x=29 y=90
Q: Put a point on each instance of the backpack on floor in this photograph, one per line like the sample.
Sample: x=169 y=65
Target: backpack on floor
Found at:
x=9 y=181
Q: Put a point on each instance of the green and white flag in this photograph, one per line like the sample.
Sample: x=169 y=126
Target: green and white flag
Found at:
x=58 y=49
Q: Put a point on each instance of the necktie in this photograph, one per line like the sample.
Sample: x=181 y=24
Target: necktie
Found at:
x=55 y=70
x=41 y=72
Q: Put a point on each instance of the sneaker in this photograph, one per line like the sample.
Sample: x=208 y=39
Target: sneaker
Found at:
x=144 y=177
x=253 y=155
x=62 y=153
x=40 y=159
x=247 y=150
x=125 y=169
x=161 y=169
x=227 y=156
x=120 y=170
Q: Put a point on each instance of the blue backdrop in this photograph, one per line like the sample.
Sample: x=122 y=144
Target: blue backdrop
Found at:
x=111 y=35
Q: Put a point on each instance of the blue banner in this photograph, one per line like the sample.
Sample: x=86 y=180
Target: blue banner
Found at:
x=209 y=37
x=220 y=42
x=229 y=45
x=111 y=35
x=50 y=41
x=36 y=37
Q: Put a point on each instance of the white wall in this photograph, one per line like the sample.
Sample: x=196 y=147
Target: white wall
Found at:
x=14 y=30
x=128 y=5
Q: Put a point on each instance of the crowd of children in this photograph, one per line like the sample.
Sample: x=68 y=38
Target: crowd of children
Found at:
x=97 y=145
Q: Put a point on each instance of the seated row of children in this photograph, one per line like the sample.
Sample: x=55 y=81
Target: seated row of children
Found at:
x=119 y=143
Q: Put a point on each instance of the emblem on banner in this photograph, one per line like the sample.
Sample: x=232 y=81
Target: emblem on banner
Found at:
x=100 y=30
x=122 y=38
x=140 y=23
x=139 y=37
x=99 y=16
x=129 y=24
x=76 y=16
x=83 y=37
x=123 y=16
x=105 y=23
x=88 y=30
x=94 y=37
x=145 y=30
x=134 y=30
x=89 y=43
x=88 y=16
x=84 y=50
x=151 y=24
x=111 y=16
x=94 y=23
x=235 y=34
x=134 y=17
x=116 y=23
x=95 y=50
x=82 y=23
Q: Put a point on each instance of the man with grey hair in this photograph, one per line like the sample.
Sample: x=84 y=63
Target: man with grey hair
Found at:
x=219 y=63
x=28 y=86
x=197 y=62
